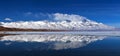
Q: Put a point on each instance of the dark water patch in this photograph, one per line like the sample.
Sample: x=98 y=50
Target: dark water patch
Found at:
x=59 y=45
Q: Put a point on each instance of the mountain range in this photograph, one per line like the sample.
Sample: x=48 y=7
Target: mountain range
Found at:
x=61 y=22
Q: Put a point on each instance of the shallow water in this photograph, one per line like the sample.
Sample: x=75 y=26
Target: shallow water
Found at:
x=59 y=45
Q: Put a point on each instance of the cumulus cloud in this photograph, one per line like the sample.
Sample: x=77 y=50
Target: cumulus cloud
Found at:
x=57 y=16
x=70 y=17
x=8 y=19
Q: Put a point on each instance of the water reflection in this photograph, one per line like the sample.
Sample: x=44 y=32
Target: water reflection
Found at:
x=49 y=41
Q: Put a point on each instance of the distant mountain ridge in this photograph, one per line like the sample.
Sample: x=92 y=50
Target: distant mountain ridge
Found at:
x=64 y=25
x=61 y=22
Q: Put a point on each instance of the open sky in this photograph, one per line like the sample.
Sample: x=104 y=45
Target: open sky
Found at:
x=105 y=11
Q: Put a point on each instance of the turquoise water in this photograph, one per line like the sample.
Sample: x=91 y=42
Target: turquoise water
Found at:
x=59 y=45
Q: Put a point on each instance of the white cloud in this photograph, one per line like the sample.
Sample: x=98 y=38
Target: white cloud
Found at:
x=8 y=19
x=57 y=16
x=71 y=17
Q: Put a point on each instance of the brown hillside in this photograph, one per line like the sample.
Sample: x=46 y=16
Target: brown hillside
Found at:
x=18 y=29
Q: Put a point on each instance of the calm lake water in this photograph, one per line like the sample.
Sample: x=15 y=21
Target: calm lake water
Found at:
x=59 y=45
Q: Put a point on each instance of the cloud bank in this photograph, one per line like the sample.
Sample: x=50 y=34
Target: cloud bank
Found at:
x=72 y=17
x=57 y=16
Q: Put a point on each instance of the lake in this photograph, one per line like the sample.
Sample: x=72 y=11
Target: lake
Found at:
x=59 y=45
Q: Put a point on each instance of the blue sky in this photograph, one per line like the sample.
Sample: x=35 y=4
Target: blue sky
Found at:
x=105 y=11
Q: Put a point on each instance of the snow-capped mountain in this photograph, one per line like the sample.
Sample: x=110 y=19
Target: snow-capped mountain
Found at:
x=60 y=22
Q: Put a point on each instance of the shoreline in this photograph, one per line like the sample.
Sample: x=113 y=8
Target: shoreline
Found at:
x=105 y=33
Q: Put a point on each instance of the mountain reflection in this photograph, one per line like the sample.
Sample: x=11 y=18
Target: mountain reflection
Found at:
x=50 y=41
